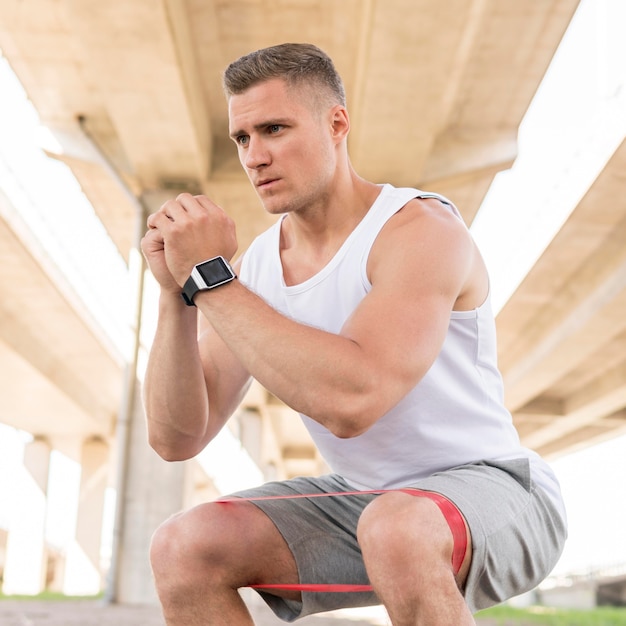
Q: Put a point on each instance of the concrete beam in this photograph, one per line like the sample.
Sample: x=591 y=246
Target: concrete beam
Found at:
x=458 y=154
x=141 y=80
x=590 y=305
x=604 y=396
x=64 y=345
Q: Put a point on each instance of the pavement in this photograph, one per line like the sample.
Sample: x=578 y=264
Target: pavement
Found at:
x=97 y=613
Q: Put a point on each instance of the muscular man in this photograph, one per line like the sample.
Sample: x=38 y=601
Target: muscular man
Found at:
x=366 y=309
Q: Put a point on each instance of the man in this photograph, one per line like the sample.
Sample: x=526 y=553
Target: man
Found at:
x=366 y=309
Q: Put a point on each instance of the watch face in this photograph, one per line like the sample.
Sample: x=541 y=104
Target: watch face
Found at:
x=215 y=272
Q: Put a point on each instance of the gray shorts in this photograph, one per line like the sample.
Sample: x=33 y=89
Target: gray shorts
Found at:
x=517 y=534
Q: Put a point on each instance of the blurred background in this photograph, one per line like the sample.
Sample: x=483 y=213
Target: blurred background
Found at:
x=514 y=110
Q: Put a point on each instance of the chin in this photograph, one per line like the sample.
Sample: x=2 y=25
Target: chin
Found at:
x=273 y=206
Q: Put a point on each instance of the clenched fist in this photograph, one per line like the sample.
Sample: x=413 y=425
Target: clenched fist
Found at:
x=184 y=232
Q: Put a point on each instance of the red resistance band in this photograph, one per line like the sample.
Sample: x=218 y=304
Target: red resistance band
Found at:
x=451 y=514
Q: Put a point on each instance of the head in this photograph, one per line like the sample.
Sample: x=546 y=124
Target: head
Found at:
x=298 y=64
x=288 y=118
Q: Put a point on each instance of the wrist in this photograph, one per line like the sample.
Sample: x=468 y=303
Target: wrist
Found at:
x=205 y=276
x=170 y=300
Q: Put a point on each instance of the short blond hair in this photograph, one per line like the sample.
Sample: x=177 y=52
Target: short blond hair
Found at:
x=298 y=64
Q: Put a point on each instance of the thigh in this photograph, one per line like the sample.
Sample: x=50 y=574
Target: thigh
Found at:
x=321 y=534
x=235 y=544
x=414 y=525
x=517 y=534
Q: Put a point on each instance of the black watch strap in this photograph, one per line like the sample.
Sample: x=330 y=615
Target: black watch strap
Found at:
x=207 y=275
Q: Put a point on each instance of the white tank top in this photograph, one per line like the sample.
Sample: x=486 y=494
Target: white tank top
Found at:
x=453 y=416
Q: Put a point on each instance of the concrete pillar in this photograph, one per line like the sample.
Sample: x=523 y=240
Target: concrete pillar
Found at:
x=83 y=572
x=199 y=486
x=152 y=491
x=37 y=462
x=26 y=558
x=251 y=434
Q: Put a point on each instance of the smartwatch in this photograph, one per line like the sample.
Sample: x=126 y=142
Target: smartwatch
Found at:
x=207 y=275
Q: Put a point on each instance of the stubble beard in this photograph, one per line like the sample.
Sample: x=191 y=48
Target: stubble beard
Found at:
x=305 y=202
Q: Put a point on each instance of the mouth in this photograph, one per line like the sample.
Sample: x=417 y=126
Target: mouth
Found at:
x=265 y=183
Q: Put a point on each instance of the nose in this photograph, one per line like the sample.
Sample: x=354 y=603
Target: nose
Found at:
x=256 y=154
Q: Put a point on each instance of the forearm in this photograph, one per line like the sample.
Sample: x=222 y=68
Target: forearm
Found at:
x=323 y=375
x=175 y=394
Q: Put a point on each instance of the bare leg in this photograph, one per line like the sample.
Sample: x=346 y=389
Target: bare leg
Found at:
x=201 y=557
x=407 y=547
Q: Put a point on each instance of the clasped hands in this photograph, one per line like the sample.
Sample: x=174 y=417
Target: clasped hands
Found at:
x=183 y=232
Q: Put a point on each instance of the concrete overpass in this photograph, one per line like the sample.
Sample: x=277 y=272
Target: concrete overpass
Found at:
x=436 y=91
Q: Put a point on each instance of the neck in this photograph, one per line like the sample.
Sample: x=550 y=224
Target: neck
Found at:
x=310 y=238
x=332 y=217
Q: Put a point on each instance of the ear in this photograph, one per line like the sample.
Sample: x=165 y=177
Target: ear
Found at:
x=340 y=122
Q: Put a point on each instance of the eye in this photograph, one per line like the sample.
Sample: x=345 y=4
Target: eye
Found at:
x=242 y=140
x=274 y=128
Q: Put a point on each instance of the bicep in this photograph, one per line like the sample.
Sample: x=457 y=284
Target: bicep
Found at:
x=399 y=335
x=418 y=268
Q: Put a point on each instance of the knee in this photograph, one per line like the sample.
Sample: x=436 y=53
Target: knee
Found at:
x=397 y=526
x=183 y=542
x=164 y=544
x=169 y=548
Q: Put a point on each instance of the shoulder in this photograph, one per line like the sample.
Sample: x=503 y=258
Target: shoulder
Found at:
x=424 y=226
x=431 y=209
x=429 y=245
